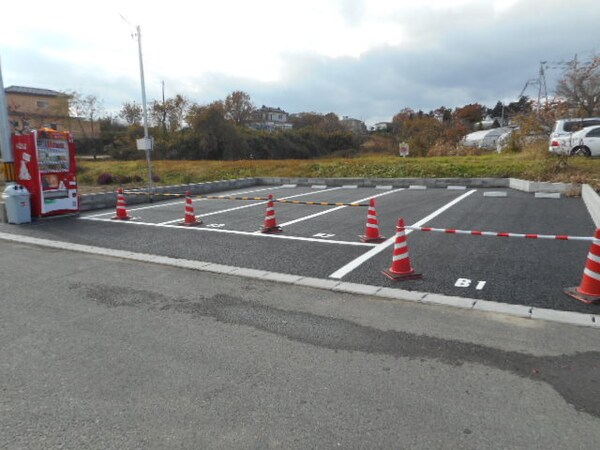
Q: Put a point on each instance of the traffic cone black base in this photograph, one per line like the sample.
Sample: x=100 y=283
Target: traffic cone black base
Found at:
x=402 y=276
x=587 y=299
x=371 y=240
x=271 y=230
x=190 y=224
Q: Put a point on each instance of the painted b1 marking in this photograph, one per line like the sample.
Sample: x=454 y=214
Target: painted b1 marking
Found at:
x=324 y=235
x=465 y=282
x=215 y=225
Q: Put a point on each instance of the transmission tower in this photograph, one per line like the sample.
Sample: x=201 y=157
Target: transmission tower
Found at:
x=540 y=82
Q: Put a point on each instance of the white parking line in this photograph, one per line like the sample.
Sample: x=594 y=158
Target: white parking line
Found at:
x=178 y=202
x=337 y=208
x=343 y=271
x=251 y=205
x=241 y=233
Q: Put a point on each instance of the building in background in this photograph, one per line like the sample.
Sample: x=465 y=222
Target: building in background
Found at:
x=354 y=125
x=33 y=108
x=270 y=119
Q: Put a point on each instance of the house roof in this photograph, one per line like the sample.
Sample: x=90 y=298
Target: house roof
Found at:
x=31 y=91
x=270 y=109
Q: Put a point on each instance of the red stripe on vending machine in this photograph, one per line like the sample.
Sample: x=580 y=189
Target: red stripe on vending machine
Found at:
x=45 y=165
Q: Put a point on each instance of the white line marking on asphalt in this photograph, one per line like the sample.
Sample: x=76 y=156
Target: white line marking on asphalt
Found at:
x=343 y=271
x=251 y=205
x=241 y=233
x=178 y=202
x=337 y=208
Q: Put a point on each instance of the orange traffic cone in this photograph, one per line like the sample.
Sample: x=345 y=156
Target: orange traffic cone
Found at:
x=372 y=231
x=270 y=225
x=121 y=209
x=589 y=289
x=190 y=217
x=401 y=268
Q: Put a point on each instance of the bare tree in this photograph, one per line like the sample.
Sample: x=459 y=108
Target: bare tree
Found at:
x=580 y=86
x=86 y=108
x=131 y=113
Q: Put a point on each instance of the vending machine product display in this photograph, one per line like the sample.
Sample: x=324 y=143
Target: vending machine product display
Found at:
x=45 y=165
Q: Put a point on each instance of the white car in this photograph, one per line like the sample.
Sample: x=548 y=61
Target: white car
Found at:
x=561 y=138
x=586 y=142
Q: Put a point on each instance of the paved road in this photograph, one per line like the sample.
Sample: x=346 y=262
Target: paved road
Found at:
x=100 y=353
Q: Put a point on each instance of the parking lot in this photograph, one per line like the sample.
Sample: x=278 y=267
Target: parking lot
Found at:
x=323 y=241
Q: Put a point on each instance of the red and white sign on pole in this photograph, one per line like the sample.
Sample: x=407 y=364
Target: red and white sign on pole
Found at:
x=403 y=149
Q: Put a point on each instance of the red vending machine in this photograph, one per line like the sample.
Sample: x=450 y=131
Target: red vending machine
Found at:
x=45 y=165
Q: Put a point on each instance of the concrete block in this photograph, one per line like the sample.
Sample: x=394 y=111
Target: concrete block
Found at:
x=503 y=308
x=547 y=195
x=281 y=277
x=569 y=317
x=319 y=186
x=317 y=283
x=350 y=186
x=456 y=188
x=417 y=187
x=219 y=268
x=289 y=186
x=457 y=302
x=356 y=288
x=495 y=194
x=400 y=294
x=385 y=188
x=248 y=273
x=592 y=203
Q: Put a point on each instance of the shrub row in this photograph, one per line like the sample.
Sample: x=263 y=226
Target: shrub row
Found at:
x=108 y=178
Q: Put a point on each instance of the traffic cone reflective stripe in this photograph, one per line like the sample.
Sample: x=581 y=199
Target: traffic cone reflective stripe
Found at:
x=122 y=213
x=190 y=216
x=270 y=224
x=372 y=229
x=589 y=289
x=401 y=268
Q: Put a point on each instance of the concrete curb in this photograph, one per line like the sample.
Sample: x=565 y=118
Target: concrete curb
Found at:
x=521 y=311
x=592 y=202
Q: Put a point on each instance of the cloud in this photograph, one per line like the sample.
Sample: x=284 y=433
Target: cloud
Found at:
x=366 y=59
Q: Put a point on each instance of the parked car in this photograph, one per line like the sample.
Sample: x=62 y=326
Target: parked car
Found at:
x=586 y=142
x=561 y=138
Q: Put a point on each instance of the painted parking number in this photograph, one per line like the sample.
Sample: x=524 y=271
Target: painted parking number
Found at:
x=215 y=225
x=324 y=235
x=465 y=282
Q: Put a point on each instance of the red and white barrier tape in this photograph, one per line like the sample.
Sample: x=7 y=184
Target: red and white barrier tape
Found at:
x=496 y=234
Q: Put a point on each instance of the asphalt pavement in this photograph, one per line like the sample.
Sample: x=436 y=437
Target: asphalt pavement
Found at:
x=102 y=353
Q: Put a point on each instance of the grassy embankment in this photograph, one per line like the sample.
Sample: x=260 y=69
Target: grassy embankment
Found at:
x=533 y=164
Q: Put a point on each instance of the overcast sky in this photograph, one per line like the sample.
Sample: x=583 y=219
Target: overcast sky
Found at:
x=366 y=59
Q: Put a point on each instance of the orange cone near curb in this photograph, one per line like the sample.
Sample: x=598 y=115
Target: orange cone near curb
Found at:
x=270 y=225
x=372 y=230
x=589 y=289
x=190 y=216
x=121 y=207
x=401 y=268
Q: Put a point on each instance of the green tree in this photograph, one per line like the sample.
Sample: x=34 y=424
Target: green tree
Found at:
x=239 y=108
x=217 y=138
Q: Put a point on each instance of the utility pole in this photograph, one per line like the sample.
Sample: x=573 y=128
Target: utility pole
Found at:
x=5 y=144
x=147 y=141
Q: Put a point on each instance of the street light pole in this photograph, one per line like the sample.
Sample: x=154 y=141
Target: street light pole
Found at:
x=147 y=141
